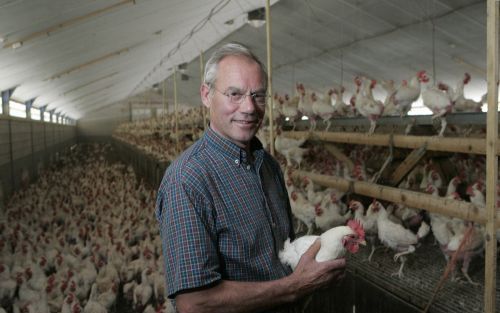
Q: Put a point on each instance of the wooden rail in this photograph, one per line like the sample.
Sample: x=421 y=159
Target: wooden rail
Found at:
x=444 y=144
x=449 y=207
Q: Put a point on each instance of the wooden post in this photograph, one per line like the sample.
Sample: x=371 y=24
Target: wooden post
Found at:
x=433 y=143
x=203 y=109
x=269 y=77
x=165 y=108
x=490 y=265
x=176 y=116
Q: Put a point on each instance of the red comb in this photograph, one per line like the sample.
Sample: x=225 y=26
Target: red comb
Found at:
x=357 y=227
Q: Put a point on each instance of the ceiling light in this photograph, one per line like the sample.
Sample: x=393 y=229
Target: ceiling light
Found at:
x=257 y=17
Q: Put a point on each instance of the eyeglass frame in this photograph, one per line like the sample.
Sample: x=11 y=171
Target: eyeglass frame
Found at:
x=243 y=96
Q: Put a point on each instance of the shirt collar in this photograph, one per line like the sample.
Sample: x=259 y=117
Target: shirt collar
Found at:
x=232 y=150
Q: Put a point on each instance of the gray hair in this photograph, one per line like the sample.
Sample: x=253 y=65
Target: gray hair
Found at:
x=229 y=49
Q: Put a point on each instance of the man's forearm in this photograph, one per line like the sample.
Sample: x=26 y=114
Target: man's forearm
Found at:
x=234 y=296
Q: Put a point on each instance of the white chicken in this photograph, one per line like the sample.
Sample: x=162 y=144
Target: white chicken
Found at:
x=438 y=100
x=295 y=156
x=335 y=242
x=92 y=305
x=303 y=210
x=305 y=106
x=395 y=236
x=342 y=108
x=323 y=108
x=469 y=235
x=476 y=195
x=282 y=143
x=329 y=213
x=389 y=105
x=368 y=221
x=366 y=104
x=289 y=110
x=143 y=291
x=408 y=93
x=463 y=104
x=7 y=284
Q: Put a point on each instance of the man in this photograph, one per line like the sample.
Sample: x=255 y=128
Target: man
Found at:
x=223 y=208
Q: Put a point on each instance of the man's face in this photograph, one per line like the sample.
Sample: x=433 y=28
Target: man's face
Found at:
x=237 y=122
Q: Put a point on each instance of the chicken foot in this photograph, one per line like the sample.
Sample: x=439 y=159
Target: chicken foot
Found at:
x=373 y=124
x=443 y=126
x=444 y=123
x=399 y=273
x=371 y=253
x=465 y=269
x=402 y=256
x=411 y=249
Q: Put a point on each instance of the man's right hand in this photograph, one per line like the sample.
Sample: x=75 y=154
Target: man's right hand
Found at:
x=310 y=275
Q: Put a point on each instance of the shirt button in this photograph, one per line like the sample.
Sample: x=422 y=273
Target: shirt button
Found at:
x=237 y=161
x=248 y=167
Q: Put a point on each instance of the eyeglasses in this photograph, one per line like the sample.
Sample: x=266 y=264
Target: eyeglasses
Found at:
x=237 y=97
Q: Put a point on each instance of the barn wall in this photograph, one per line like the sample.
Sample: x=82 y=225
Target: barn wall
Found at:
x=26 y=147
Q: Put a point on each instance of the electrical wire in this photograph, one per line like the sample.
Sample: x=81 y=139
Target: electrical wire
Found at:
x=199 y=26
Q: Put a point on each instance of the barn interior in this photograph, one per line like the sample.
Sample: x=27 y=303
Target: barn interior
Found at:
x=99 y=97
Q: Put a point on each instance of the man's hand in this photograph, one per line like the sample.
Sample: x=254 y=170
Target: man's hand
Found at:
x=310 y=275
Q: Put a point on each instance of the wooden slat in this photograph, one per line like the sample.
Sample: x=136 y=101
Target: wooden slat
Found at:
x=407 y=165
x=433 y=143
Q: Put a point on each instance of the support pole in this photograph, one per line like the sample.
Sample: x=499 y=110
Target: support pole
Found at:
x=269 y=77
x=177 y=146
x=203 y=109
x=490 y=265
x=165 y=108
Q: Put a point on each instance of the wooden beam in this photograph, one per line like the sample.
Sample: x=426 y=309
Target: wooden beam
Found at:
x=433 y=143
x=449 y=207
x=270 y=78
x=52 y=29
x=407 y=165
x=91 y=62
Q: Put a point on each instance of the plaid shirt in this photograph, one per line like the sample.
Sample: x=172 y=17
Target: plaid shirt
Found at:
x=222 y=217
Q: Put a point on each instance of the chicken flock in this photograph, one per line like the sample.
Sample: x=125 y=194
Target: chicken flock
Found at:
x=392 y=225
x=440 y=99
x=83 y=238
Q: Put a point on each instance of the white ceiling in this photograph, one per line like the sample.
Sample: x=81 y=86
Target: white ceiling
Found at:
x=79 y=57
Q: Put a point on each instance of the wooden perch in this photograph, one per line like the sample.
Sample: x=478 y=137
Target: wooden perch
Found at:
x=449 y=207
x=459 y=145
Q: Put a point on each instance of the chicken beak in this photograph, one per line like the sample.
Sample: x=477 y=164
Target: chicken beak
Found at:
x=362 y=242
